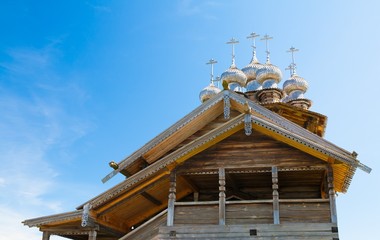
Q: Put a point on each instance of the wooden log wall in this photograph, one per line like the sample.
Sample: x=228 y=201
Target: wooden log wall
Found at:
x=256 y=150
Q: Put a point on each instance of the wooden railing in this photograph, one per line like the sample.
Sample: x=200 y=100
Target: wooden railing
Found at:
x=253 y=212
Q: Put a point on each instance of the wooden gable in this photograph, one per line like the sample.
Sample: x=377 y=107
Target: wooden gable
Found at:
x=205 y=140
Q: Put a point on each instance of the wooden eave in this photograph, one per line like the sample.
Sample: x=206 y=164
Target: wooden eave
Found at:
x=54 y=219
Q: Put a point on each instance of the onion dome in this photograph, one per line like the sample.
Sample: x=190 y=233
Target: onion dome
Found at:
x=295 y=87
x=208 y=92
x=211 y=90
x=251 y=69
x=234 y=77
x=269 y=75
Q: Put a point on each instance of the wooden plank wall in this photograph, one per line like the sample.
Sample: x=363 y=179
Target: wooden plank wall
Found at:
x=199 y=214
x=306 y=212
x=252 y=213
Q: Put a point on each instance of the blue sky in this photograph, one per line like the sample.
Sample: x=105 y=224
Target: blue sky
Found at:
x=86 y=82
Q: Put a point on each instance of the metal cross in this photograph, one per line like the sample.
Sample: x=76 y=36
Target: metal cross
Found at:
x=292 y=50
x=290 y=68
x=266 y=38
x=212 y=62
x=233 y=41
x=253 y=36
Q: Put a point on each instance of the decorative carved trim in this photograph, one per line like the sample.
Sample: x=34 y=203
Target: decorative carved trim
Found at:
x=86 y=211
x=248 y=124
x=36 y=222
x=227 y=105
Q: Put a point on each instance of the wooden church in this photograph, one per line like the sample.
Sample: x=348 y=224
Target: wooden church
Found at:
x=249 y=163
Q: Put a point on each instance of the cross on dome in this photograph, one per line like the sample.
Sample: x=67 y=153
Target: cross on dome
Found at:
x=292 y=50
x=253 y=36
x=212 y=62
x=233 y=41
x=266 y=38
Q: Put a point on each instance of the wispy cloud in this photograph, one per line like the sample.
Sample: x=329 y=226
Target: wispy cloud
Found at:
x=100 y=8
x=200 y=8
x=38 y=106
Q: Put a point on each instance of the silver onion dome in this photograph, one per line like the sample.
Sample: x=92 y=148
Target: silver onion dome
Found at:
x=269 y=75
x=251 y=69
x=234 y=77
x=295 y=87
x=208 y=92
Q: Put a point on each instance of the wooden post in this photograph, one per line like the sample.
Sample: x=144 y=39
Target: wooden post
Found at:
x=222 y=197
x=172 y=197
x=276 y=204
x=92 y=235
x=330 y=182
x=45 y=235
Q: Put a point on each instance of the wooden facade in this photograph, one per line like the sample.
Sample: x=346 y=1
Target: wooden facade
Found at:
x=231 y=169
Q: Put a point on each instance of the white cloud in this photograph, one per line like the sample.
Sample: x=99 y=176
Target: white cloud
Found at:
x=36 y=122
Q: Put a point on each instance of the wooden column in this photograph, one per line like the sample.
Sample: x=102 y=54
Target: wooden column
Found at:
x=330 y=182
x=45 y=235
x=276 y=204
x=92 y=235
x=172 y=197
x=222 y=197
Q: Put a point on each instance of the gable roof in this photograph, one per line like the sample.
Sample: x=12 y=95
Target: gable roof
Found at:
x=175 y=146
x=263 y=120
x=210 y=110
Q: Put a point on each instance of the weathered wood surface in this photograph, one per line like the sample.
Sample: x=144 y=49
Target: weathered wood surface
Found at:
x=200 y=214
x=305 y=212
x=255 y=231
x=256 y=150
x=249 y=213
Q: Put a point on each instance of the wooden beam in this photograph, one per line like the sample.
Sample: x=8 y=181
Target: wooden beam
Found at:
x=45 y=235
x=276 y=204
x=330 y=183
x=222 y=197
x=92 y=235
x=171 y=200
x=151 y=198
